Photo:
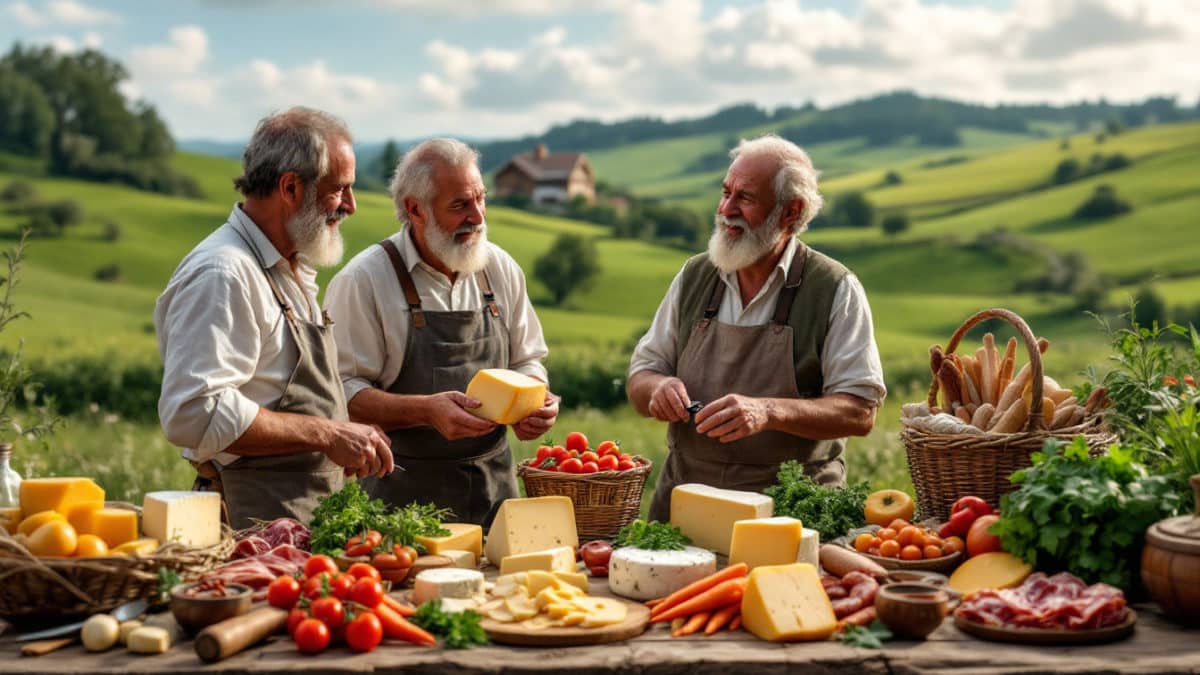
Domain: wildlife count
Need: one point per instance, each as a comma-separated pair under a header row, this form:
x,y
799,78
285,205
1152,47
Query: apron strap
x,y
787,294
275,290
714,300
406,282
489,297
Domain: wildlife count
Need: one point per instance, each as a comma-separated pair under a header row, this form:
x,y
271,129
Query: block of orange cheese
x,y
114,526
786,603
58,494
507,397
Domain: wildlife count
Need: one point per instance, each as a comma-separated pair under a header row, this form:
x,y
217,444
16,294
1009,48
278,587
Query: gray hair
x,y
796,178
414,172
295,140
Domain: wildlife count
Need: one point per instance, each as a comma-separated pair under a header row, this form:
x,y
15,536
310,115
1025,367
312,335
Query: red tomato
x,y
314,587
559,453
284,592
312,636
340,586
625,464
367,592
572,465
608,447
294,618
364,632
609,463
543,452
387,561
405,555
589,467
363,571
979,540
319,563
576,441
330,611
589,456
374,538
356,549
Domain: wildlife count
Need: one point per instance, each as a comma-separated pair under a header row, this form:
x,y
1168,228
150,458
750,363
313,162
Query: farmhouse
x,y
547,179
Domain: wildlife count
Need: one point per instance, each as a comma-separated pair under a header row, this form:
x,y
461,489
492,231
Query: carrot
x,y
722,595
396,626
699,586
736,623
677,623
695,623
399,607
862,617
722,617
654,603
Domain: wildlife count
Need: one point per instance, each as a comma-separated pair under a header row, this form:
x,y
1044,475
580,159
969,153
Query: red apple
x,y
596,554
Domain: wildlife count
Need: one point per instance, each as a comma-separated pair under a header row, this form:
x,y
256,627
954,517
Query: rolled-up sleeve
x,y
209,339
850,363
527,343
358,330
656,350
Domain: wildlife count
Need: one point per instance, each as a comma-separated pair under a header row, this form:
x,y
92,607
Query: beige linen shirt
x,y
224,341
371,315
850,358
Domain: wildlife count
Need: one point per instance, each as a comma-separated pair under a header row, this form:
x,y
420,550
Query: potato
x,y
99,633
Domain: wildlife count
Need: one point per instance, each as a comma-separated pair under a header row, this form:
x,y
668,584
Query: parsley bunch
x,y
350,511
867,637
458,630
653,536
831,511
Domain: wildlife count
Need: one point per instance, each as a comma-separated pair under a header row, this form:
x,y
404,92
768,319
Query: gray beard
x,y
319,242
729,254
459,258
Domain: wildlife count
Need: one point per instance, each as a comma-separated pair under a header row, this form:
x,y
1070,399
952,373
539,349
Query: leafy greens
x,y
350,511
458,630
831,511
653,536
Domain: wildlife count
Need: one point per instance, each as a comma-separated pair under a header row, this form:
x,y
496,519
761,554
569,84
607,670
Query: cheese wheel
x,y
641,574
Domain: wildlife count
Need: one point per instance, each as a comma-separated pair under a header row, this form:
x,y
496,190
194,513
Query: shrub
x,y
892,178
853,209
110,272
1103,203
894,224
1066,171
112,231
110,382
595,381
18,192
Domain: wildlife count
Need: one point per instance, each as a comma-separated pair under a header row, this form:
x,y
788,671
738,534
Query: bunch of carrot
x,y
711,603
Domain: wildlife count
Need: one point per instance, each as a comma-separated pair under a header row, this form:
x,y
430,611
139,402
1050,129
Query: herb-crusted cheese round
x,y
641,574
445,583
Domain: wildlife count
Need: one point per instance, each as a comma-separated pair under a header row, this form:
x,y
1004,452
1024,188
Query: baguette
x,y
970,380
1062,415
962,379
961,413
935,359
1066,403
1077,416
1047,411
1015,389
948,377
1096,400
1004,375
983,415
977,366
990,368
1013,419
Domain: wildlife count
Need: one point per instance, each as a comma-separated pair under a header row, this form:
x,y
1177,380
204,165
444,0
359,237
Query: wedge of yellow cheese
x,y
530,524
507,397
786,603
561,559
462,537
766,541
114,526
989,570
706,514
58,494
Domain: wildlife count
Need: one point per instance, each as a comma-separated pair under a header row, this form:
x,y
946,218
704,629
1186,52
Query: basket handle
x,y
1036,423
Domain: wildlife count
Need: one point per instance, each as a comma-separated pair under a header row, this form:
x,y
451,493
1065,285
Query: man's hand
x,y
361,449
539,421
447,413
669,401
733,417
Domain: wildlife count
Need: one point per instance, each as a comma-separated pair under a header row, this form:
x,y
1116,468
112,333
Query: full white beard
x,y
466,258
314,235
729,254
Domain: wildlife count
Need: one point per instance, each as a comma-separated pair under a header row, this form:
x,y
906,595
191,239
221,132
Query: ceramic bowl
x,y
914,610
194,613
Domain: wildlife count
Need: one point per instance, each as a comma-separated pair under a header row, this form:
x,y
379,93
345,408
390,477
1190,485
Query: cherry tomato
x,y
625,465
543,452
609,463
312,636
559,453
319,563
358,548
364,632
363,571
294,618
576,441
607,448
388,561
572,465
367,592
340,585
314,587
284,592
589,456
374,538
330,611
405,555
589,467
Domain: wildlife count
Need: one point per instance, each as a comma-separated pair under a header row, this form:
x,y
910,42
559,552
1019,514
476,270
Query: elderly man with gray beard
x,y
250,385
417,316
772,337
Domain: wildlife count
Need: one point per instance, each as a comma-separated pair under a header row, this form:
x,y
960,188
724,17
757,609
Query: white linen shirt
x,y
371,315
849,359
224,341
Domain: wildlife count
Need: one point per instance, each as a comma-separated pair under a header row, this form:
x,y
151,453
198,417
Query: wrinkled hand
x,y
669,401
732,417
539,421
361,449
448,414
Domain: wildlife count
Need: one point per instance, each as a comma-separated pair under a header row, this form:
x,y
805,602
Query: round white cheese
x,y
641,574
447,582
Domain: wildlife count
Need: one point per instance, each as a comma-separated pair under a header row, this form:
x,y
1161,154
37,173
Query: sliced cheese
x,y
642,574
706,514
143,546
786,603
810,547
58,494
188,517
446,582
989,570
462,537
462,559
506,396
526,525
577,579
561,559
114,526
766,541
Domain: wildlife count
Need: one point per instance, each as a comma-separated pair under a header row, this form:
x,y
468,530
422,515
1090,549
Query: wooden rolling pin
x,y
224,639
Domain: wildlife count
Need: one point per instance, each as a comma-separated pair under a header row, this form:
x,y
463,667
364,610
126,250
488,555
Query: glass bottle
x,y
10,480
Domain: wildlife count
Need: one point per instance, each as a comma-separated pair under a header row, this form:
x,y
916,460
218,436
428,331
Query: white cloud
x,y
93,40
183,54
495,7
25,15
72,12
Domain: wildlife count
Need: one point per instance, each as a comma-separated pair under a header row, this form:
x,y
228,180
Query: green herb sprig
x,y
831,511
458,630
653,536
867,637
350,511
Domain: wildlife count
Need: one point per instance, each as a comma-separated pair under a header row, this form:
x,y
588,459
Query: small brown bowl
x,y
914,610
917,576
193,614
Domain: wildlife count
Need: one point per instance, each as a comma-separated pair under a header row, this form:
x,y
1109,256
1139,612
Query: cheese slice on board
x,y
462,537
58,494
561,559
530,524
786,603
706,514
507,397
188,517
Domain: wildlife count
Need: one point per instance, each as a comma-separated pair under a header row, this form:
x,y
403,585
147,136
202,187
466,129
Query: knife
x,y
125,612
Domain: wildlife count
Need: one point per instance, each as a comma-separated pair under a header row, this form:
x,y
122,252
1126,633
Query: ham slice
x,y
260,570
1062,601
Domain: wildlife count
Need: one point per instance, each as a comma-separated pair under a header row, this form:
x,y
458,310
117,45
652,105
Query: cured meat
x,y
260,570
250,547
1062,601
266,536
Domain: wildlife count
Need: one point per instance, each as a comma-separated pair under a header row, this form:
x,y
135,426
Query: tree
x,y
18,193
895,223
1103,203
571,263
388,159
853,209
1066,171
26,119
892,178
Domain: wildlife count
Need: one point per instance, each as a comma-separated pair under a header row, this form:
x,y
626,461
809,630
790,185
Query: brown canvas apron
x,y
722,359
277,486
470,476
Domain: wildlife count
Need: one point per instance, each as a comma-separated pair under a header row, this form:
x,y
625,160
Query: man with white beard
x,y
417,316
773,339
250,384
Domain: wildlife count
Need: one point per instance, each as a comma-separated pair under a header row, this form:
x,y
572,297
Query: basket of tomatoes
x,y
604,483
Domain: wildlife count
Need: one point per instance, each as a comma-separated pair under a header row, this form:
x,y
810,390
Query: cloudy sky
x,y
489,68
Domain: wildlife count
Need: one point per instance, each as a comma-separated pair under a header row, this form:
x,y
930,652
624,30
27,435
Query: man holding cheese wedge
x,y
421,314
773,339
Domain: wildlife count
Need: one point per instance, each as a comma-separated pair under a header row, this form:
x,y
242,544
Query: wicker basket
x,y
604,502
33,588
945,467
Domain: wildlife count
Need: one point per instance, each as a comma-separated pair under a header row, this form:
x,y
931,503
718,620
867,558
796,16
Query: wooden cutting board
x,y
636,620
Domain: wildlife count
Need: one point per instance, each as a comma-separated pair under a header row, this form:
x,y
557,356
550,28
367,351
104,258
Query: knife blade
x,y
124,612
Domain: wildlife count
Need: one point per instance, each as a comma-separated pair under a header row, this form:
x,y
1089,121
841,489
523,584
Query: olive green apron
x,y
470,476
276,486
757,361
